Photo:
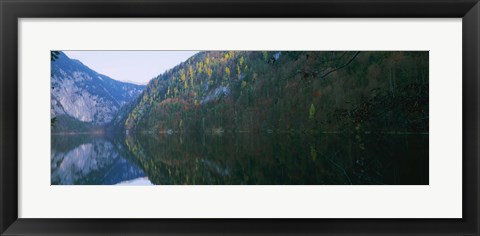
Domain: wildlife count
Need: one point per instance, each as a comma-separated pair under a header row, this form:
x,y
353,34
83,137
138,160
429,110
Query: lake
x,y
240,159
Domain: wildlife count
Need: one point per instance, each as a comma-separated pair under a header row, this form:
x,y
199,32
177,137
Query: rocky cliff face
x,y
80,93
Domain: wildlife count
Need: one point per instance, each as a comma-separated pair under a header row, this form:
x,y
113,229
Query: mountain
x,y
82,98
286,91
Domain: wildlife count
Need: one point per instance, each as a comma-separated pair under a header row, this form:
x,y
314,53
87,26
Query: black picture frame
x,y
12,10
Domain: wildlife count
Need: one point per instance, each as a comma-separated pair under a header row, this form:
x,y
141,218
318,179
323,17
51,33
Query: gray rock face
x,y
81,93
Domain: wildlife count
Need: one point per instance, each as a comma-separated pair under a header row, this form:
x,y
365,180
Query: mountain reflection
x,y
240,159
79,159
271,159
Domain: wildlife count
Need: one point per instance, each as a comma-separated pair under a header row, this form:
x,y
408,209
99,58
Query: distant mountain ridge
x,y
80,96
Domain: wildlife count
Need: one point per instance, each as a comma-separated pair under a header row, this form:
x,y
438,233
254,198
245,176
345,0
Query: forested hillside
x,y
286,91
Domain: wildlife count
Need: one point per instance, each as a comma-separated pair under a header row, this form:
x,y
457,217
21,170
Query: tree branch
x,y
340,67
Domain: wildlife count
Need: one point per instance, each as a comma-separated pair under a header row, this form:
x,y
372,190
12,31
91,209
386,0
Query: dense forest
x,y
286,91
246,117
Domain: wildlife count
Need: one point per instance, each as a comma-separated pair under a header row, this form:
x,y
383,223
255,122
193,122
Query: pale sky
x,y
130,66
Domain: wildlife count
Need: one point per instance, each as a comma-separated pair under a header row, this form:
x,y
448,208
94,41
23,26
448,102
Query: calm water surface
x,y
266,159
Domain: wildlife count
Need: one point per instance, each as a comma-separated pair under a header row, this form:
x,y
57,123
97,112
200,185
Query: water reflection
x,y
282,158
82,159
244,158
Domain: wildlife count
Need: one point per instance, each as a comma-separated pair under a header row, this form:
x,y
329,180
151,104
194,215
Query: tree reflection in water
x,y
281,159
240,159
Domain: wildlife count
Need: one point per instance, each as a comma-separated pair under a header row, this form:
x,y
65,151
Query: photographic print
x,y
239,117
